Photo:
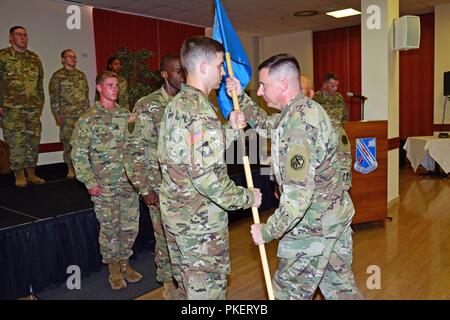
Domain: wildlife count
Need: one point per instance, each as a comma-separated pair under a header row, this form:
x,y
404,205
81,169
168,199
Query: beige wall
x,y
45,21
299,44
441,60
380,78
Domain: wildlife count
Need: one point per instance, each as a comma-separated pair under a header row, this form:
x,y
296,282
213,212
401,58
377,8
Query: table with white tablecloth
x,y
428,150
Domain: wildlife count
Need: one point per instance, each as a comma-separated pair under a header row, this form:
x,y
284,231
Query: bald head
x,y
307,86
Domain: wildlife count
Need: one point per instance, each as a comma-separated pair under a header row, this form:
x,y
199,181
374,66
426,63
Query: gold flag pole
x,y
249,178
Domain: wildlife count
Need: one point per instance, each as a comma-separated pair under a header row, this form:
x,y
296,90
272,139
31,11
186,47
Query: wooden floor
x,y
412,251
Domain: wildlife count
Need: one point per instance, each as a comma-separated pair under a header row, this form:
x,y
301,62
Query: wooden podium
x,y
369,191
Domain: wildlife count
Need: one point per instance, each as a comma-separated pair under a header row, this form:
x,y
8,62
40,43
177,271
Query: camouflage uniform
x,y
315,212
142,167
97,153
22,96
69,97
336,109
122,99
195,193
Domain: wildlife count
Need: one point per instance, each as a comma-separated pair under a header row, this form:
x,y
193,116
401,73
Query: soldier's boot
x,y
32,177
71,172
20,178
115,276
171,292
128,273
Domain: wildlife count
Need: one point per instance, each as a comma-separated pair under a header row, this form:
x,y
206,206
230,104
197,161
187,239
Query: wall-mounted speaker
x,y
407,33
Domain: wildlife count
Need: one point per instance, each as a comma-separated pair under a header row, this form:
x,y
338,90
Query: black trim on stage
x,y
44,229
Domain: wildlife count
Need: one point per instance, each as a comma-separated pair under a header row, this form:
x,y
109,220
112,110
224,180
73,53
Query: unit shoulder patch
x,y
297,163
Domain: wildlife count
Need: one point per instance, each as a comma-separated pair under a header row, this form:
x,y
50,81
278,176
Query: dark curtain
x,y
339,51
113,30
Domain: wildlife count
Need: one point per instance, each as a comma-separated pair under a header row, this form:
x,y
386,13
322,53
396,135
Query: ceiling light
x,y
343,13
306,13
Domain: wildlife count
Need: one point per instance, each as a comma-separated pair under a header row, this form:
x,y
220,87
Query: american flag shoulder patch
x,y
195,136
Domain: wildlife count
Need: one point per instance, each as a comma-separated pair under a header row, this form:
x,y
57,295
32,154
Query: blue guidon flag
x,y
366,155
223,32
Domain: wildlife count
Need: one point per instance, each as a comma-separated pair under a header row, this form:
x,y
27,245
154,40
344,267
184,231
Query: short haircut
x,y
63,53
330,76
102,76
166,60
279,61
13,29
111,60
197,47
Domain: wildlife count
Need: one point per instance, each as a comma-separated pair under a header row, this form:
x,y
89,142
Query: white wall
x,y
380,78
45,21
299,44
441,60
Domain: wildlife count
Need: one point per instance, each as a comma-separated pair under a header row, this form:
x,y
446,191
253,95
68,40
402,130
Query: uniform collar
x,y
69,71
14,52
165,94
102,109
292,103
326,94
188,88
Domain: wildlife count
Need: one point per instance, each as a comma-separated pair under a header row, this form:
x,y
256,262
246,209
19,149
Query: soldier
x,y
21,103
141,160
115,65
196,189
333,103
69,98
315,212
97,154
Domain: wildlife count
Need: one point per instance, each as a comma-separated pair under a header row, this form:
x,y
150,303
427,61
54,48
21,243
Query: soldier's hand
x,y
276,193
233,83
256,233
95,190
151,199
258,197
237,120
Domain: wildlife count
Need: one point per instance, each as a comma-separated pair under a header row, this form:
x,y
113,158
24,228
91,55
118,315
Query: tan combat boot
x,y
71,172
171,292
115,276
20,178
32,177
128,273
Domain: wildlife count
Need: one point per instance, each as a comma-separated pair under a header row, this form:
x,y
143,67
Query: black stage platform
x,y
46,228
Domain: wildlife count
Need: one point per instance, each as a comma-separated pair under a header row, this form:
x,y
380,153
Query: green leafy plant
x,y
141,80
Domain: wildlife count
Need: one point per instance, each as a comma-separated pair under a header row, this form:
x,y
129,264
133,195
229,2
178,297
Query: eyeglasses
x,y
70,56
20,34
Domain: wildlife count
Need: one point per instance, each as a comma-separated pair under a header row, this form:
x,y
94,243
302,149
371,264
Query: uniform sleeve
x,y
344,109
54,91
88,103
297,163
40,86
230,135
138,153
2,70
80,153
256,116
206,174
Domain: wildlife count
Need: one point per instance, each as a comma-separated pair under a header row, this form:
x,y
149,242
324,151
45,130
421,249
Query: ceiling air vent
x,y
306,13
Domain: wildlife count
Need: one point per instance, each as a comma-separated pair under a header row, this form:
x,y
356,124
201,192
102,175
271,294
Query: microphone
x,y
351,94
